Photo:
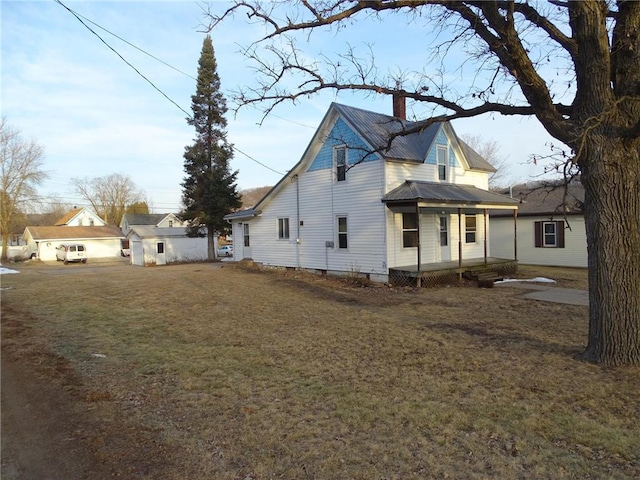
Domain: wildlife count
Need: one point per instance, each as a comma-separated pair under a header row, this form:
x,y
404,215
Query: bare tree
x,y
109,196
490,151
21,171
590,102
251,196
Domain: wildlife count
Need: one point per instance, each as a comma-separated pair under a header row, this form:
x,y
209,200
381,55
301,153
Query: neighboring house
x,y
151,245
160,220
100,241
353,206
80,217
550,226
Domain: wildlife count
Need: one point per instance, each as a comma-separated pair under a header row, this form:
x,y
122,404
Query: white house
x,y
160,220
351,205
550,226
81,217
151,245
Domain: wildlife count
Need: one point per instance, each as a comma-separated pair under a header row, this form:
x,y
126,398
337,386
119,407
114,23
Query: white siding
x,y
397,173
573,255
107,248
176,249
321,200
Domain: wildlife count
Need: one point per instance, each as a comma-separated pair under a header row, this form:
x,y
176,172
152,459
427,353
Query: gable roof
x,y
375,129
547,199
145,218
445,193
67,217
63,232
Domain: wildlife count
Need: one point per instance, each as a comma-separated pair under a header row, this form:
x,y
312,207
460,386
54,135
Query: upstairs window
x,y
470,227
409,230
340,161
170,223
283,228
442,156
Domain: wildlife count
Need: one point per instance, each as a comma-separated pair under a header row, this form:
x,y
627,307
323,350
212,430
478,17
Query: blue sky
x,y
94,115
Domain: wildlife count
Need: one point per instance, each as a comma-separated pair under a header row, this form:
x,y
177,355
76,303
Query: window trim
x,y
445,231
540,235
339,233
245,235
410,233
340,176
284,231
470,230
444,165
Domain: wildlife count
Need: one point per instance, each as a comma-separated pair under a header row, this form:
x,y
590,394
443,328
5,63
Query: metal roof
x,y
247,213
431,192
145,218
157,232
377,128
546,199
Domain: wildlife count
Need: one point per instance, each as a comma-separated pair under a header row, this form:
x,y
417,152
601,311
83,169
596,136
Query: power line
x,y
80,19
121,57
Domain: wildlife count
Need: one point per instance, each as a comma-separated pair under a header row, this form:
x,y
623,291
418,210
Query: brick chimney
x,y
399,106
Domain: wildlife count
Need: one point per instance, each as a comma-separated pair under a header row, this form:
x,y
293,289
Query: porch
x,y
442,272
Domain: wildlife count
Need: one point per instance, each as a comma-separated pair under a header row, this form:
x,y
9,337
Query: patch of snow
x,y
535,280
98,355
5,270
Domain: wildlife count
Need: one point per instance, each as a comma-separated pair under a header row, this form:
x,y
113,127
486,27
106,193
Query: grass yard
x,y
226,373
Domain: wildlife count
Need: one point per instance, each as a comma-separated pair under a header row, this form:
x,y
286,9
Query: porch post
x,y
515,234
459,244
419,277
485,237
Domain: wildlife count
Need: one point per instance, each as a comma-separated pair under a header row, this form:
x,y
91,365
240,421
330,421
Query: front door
x,y
246,250
445,251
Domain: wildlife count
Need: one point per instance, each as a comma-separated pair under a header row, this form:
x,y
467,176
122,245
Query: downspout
x,y
485,237
297,179
515,234
460,244
419,277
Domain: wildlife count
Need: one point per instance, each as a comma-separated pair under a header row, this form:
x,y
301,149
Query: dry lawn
x,y
229,373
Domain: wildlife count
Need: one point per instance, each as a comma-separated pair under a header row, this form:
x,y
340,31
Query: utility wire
x,y
121,57
80,19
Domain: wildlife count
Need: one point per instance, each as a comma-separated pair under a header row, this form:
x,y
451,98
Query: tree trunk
x,y
611,177
5,247
211,248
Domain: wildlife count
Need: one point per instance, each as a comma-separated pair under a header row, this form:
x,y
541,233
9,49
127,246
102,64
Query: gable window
x,y
342,232
340,161
91,222
283,228
409,230
549,234
245,232
470,227
442,156
170,223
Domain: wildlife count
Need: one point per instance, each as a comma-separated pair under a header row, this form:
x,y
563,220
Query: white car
x,y
225,251
71,252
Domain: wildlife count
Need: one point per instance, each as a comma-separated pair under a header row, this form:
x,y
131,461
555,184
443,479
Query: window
x,y
160,247
444,234
549,234
342,232
409,230
283,228
340,160
442,153
245,231
170,223
470,228
91,222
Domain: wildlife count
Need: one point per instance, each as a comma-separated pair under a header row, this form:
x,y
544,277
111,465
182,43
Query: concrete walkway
x,y
545,293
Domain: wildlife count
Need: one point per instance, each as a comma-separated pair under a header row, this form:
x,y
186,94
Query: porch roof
x,y
438,195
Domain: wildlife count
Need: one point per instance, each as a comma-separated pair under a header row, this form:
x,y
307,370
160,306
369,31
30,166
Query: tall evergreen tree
x,y
209,188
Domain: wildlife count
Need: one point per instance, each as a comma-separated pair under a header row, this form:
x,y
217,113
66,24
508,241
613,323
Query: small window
x,y
81,248
283,228
470,228
409,230
245,231
340,160
549,234
170,223
443,153
91,222
342,232
160,247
